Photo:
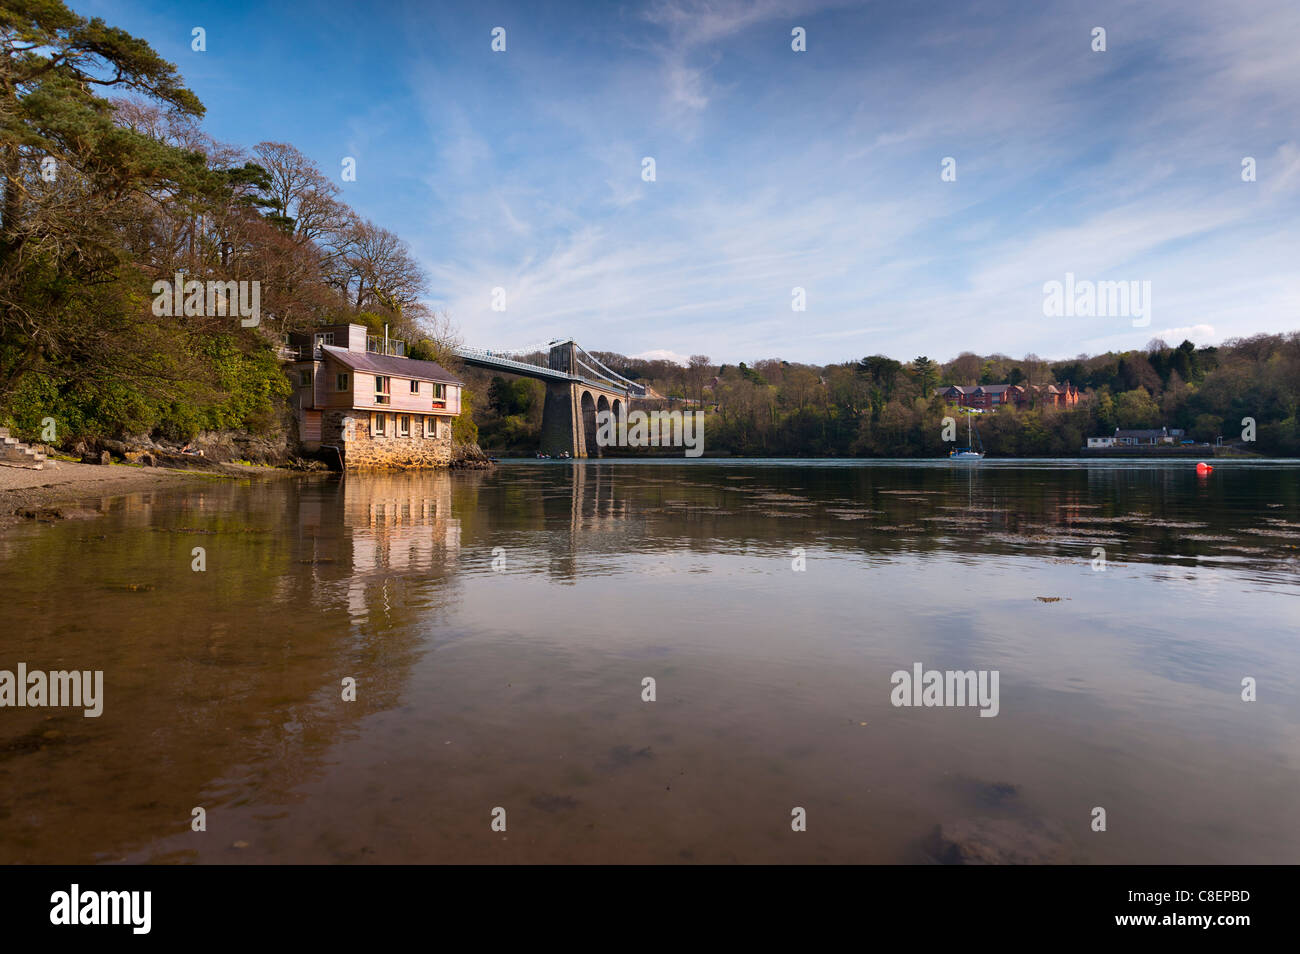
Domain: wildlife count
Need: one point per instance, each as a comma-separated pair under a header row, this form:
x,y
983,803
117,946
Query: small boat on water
x,y
970,451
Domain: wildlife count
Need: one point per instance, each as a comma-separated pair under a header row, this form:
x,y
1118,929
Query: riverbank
x,y
59,492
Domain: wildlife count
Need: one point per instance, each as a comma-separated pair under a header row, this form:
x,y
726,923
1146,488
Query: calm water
x,y
521,687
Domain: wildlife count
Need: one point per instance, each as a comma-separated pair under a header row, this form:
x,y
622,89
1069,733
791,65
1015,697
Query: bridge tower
x,y
576,391
564,358
569,420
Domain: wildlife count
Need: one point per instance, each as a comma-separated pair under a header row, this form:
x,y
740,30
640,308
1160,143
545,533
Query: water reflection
x,y
499,626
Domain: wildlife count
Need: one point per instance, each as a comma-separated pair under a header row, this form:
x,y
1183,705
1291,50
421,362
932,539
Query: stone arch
x,y
602,405
587,416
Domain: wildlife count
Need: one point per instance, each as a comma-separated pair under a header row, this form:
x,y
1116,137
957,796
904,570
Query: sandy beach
x,y
54,492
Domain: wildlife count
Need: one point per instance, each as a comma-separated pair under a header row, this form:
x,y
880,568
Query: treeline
x,y
102,197
882,407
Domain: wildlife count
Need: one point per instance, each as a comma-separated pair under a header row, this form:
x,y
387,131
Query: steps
x,y
14,453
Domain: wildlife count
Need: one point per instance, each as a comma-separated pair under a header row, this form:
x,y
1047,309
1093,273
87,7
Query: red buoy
x,y
1202,469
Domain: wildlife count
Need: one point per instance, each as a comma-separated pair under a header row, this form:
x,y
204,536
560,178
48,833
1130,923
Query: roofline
x,y
335,352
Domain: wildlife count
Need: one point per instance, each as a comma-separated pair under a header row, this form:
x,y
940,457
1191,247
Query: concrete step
x,y
17,454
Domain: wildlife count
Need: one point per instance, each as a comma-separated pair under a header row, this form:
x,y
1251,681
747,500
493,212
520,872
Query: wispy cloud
x,y
821,170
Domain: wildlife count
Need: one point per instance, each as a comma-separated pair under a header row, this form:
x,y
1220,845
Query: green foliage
x,y
463,429
1136,409
516,396
227,387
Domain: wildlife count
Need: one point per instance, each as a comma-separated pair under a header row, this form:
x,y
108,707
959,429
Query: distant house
x,y
1138,438
990,396
1101,442
359,394
983,396
1060,395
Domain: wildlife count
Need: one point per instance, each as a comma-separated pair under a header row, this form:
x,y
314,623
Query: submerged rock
x,y
999,841
1000,829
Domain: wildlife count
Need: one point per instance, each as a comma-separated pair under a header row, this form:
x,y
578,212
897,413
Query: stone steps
x,y
14,453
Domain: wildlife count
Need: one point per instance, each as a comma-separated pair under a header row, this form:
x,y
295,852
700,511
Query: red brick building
x,y
988,397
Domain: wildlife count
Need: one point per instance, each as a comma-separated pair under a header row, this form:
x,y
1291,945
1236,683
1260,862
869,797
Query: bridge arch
x,y
602,405
587,417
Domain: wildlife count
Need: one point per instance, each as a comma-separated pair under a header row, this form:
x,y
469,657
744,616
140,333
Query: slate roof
x,y
367,362
1124,432
979,388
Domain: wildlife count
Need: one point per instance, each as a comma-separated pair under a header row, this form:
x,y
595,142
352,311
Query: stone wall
x,y
362,451
559,433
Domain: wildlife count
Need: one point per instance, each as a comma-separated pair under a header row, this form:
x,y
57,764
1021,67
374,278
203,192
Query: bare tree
x,y
698,370
378,269
305,199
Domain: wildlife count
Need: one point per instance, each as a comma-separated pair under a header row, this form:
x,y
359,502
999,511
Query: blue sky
x,y
776,169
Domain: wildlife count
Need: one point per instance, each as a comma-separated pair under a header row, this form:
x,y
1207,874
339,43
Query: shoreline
x,y
60,492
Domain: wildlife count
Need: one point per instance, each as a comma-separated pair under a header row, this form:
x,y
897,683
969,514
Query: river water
x,y
499,627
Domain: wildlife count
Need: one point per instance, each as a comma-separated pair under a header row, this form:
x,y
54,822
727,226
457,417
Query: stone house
x,y
358,395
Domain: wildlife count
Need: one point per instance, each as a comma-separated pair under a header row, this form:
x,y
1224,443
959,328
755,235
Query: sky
x,y
777,170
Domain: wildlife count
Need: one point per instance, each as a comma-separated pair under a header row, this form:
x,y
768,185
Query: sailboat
x,y
968,452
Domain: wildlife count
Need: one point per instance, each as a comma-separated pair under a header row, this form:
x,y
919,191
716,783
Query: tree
x,y
697,374
1208,428
1136,409
375,267
925,373
65,296
304,201
800,383
882,372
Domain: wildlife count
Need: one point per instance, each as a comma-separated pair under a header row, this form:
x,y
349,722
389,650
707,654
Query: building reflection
x,y
397,525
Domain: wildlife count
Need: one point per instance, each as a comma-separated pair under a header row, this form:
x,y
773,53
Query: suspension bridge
x,y
578,386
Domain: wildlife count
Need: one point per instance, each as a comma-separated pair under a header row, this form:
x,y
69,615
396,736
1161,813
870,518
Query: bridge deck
x,y
483,359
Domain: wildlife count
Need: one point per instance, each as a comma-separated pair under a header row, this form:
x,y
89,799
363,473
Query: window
x,y
430,426
415,387
304,379
440,390
324,337
342,382
377,424
403,425
381,389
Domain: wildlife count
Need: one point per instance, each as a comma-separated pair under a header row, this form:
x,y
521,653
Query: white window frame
x,y
415,386
384,396
324,338
378,426
430,426
403,419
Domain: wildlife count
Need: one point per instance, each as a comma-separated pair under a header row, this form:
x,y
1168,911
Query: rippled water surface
x,y
499,627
